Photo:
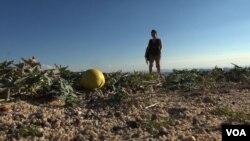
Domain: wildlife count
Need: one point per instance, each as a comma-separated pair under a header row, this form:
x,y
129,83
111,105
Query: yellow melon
x,y
92,78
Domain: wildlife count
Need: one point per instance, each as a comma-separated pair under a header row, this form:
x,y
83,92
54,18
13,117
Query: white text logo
x,y
236,132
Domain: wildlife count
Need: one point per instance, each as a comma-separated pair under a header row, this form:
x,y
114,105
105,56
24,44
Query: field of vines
x,y
37,104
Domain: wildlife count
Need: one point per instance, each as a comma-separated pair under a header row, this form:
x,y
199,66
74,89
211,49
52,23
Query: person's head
x,y
154,34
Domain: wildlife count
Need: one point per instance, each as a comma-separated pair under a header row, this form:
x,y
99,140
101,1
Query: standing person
x,y
153,52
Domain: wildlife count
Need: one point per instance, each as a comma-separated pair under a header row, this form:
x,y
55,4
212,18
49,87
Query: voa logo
x,y
236,132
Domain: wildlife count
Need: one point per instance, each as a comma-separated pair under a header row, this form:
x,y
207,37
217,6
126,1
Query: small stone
x,y
5,107
79,112
190,138
40,132
178,122
181,136
163,131
57,124
93,134
164,138
46,124
136,135
79,137
208,100
96,123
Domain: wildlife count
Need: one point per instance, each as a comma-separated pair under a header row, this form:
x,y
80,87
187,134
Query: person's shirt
x,y
154,46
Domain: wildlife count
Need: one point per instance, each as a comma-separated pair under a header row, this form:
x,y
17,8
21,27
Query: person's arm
x,y
160,45
147,49
146,52
146,55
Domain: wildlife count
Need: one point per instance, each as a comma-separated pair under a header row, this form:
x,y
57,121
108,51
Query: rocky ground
x,y
157,115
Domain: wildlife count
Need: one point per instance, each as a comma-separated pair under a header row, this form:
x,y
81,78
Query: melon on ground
x,y
92,78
